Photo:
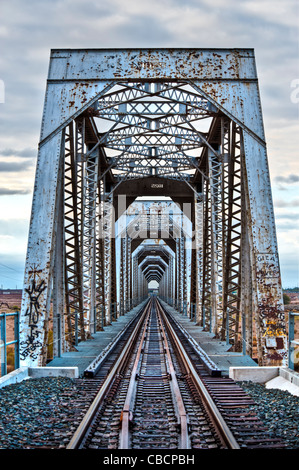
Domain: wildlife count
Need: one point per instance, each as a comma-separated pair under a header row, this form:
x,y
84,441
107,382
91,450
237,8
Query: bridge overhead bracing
x,y
182,124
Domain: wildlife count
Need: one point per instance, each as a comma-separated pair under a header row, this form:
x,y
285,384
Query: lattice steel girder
x,y
148,256
152,270
153,250
153,267
153,278
227,79
153,262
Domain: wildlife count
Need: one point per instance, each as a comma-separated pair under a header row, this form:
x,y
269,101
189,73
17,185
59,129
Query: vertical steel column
x,y
135,280
144,287
171,280
225,152
183,269
89,240
180,272
193,286
232,290
267,290
128,272
167,283
108,233
207,255
113,280
73,270
123,276
59,270
177,273
246,275
216,184
100,277
187,263
198,249
80,181
39,261
141,283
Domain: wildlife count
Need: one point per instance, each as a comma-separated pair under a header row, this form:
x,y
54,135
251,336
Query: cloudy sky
x,y
29,29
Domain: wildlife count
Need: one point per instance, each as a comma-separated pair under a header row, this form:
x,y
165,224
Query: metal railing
x,y
293,344
13,344
189,310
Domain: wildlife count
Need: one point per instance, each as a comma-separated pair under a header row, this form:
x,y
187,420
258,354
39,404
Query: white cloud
x,y
15,207
288,179
281,13
283,203
30,29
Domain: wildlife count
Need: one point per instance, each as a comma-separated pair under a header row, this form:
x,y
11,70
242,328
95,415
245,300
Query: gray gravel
x,y
36,412
278,409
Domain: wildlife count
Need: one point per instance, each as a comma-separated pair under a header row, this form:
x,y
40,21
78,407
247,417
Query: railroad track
x,y
157,390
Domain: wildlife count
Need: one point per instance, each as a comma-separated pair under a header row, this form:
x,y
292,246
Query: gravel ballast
x,y
39,412
35,411
278,409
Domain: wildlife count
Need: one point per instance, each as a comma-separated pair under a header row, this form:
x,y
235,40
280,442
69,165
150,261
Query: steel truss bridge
x,y
152,166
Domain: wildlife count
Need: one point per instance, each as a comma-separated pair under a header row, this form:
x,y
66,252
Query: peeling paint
x,y
78,79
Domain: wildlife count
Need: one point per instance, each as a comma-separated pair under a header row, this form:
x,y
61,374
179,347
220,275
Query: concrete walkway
x,y
88,350
216,350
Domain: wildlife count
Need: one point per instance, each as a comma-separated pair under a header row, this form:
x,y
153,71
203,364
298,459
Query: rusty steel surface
x,y
123,123
152,63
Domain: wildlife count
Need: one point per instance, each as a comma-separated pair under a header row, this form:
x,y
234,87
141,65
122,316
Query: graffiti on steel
x,y
32,343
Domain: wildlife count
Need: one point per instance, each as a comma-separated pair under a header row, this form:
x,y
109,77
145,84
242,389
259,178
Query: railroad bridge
x,y
152,173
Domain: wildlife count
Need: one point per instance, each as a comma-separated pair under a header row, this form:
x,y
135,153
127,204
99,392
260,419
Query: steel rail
x,y
216,416
126,413
178,400
95,365
208,364
90,414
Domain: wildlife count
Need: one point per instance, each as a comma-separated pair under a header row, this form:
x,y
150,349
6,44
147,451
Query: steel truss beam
x,y
154,104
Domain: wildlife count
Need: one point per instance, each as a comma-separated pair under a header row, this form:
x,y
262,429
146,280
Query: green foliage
x,y
286,299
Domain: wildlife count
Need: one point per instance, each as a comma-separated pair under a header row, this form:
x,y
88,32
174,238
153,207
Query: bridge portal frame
x,y
77,78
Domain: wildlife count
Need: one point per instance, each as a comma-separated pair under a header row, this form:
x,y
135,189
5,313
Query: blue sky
x,y
28,30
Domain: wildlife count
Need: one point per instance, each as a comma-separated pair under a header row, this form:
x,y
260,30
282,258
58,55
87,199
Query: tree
x,y
286,299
